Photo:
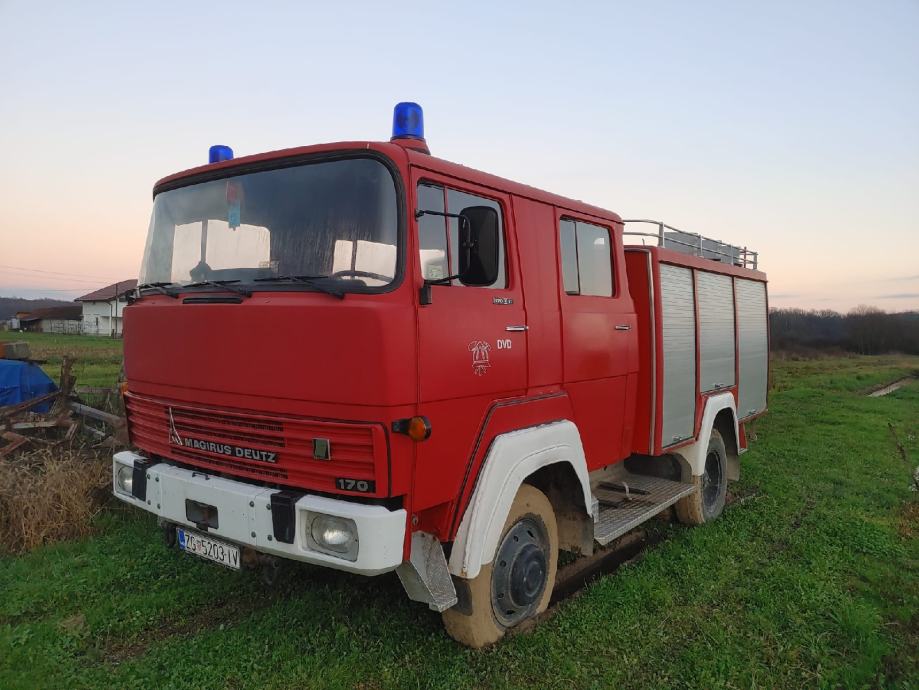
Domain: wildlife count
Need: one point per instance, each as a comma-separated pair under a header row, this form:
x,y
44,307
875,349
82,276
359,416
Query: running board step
x,y
632,499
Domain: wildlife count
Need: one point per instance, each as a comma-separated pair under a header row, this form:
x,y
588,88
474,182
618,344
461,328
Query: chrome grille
x,y
359,450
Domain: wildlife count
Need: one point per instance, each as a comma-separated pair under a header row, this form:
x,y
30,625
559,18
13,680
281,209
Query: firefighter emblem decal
x,y
480,361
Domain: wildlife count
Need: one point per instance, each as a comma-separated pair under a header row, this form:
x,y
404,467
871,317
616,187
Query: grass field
x,y
808,580
97,360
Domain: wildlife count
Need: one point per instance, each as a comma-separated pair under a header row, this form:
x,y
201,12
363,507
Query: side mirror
x,y
478,245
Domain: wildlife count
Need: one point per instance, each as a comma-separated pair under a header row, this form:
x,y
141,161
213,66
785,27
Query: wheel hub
x,y
527,575
520,571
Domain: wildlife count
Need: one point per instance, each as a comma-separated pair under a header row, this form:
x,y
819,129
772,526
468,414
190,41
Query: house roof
x,y
68,313
108,293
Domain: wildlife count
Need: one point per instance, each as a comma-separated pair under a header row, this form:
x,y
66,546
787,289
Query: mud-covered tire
x,y
706,503
474,622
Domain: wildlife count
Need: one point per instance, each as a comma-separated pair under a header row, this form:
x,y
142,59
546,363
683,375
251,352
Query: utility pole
x,y
112,327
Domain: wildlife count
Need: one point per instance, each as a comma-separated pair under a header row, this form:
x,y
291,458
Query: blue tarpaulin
x,y
21,381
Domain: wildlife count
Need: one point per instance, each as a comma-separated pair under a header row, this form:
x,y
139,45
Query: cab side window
x,y
438,236
586,257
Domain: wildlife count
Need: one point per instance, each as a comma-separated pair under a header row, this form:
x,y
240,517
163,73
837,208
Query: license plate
x,y
211,549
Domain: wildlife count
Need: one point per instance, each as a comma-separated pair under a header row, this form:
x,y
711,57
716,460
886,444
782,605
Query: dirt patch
x,y
74,625
908,524
898,664
50,494
782,543
572,578
216,614
806,510
890,387
737,495
574,575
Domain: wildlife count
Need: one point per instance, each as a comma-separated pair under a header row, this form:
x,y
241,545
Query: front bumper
x,y
245,516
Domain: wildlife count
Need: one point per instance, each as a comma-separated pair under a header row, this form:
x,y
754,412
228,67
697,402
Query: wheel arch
x,y
726,424
549,457
720,413
562,486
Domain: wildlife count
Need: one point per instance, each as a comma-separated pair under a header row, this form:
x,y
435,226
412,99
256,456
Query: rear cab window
x,y
586,258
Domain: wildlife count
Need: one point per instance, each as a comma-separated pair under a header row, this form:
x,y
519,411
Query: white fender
x,y
512,458
695,453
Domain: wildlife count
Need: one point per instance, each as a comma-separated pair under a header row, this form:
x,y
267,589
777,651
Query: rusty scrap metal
x,y
20,425
112,420
13,442
8,411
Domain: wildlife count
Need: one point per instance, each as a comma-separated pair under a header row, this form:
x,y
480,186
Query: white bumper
x,y
245,516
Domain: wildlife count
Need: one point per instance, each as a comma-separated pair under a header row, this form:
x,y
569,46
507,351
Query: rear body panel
x,y
702,330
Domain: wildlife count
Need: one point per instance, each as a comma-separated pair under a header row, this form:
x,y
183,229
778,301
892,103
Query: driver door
x,y
472,340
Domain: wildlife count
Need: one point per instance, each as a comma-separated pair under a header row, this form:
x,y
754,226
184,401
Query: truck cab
x,y
361,356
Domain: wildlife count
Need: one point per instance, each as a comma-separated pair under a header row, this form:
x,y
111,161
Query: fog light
x,y
335,535
124,479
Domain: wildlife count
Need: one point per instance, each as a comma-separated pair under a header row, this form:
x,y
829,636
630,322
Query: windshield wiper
x,y
159,287
312,281
225,284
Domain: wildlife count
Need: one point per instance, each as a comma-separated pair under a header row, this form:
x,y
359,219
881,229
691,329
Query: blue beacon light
x,y
407,121
219,152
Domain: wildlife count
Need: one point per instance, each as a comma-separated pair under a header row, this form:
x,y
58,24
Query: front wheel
x,y
706,503
518,583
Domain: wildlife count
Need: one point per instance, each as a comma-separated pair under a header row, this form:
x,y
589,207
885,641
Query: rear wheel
x,y
518,583
707,502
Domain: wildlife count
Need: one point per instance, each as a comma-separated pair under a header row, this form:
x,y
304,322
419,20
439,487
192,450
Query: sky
x,y
788,127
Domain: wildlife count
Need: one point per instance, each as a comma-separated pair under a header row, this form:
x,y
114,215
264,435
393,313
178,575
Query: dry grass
x,y
50,494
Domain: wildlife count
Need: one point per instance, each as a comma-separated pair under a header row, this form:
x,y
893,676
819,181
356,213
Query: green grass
x,y
97,360
808,580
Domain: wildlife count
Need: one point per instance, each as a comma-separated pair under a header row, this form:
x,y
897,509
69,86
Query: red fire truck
x,y
361,356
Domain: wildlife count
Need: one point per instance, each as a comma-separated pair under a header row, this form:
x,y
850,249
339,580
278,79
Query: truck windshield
x,y
333,219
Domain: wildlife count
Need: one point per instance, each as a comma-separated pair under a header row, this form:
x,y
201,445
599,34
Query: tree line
x,y
10,305
865,330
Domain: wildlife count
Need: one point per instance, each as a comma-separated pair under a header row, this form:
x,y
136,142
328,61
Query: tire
x,y
706,503
518,583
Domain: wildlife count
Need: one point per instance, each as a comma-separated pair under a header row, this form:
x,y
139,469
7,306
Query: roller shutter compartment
x,y
678,330
715,293
752,346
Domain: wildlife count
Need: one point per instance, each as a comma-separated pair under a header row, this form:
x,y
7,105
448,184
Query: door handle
x,y
516,329
623,327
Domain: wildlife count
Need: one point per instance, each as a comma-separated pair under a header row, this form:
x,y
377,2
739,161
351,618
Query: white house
x,y
102,309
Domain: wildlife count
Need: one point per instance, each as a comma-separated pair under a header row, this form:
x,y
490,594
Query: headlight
x,y
124,479
333,535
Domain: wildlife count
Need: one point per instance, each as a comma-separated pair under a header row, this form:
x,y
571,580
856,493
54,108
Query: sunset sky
x,y
789,127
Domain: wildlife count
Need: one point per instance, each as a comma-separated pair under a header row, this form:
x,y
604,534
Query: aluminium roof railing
x,y
695,244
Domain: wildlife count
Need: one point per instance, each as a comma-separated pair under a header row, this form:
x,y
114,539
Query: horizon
x,y
788,129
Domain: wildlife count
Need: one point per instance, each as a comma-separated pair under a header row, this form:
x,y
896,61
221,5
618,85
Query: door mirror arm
x,y
446,280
